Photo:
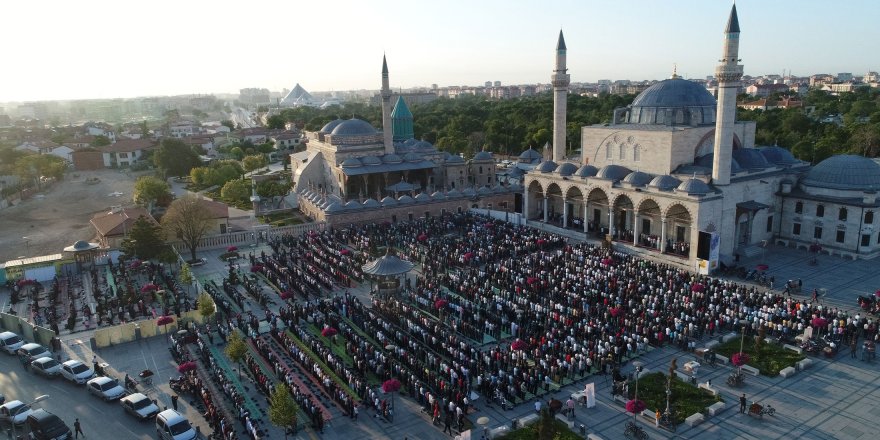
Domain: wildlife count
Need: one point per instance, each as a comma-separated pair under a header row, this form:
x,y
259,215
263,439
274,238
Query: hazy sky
x,y
101,49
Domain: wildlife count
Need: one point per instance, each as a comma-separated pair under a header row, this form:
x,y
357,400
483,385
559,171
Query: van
x,y
44,425
170,425
10,342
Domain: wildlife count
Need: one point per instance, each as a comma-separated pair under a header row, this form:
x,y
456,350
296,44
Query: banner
x,y
590,394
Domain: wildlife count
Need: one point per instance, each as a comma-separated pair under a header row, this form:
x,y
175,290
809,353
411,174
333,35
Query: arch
x,y
706,144
605,145
534,200
649,206
677,209
679,226
535,186
647,223
574,192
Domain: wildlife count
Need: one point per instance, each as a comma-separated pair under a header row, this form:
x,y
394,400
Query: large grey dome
x,y
586,171
694,187
637,178
613,172
530,156
546,166
664,183
484,156
707,161
750,159
353,127
673,101
566,169
778,155
328,127
845,172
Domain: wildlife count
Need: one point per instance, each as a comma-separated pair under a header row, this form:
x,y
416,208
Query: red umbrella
x,y
440,304
615,311
328,332
422,237
877,293
286,295
231,249
186,366
519,345
149,288
607,261
344,252
819,322
762,267
468,255
165,320
489,225
635,406
257,268
540,241
390,385
698,288
135,264
531,280
739,359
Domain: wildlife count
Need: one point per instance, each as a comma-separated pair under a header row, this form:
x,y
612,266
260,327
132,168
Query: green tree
x,y
282,409
145,130
275,122
100,141
236,349
175,158
273,188
186,276
149,190
251,163
236,191
188,220
228,123
206,306
236,152
145,240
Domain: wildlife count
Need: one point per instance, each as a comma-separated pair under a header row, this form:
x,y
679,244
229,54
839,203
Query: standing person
x,y
174,398
447,423
657,419
78,429
742,404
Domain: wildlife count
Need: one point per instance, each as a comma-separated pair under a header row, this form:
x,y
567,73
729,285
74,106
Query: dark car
x,y
44,425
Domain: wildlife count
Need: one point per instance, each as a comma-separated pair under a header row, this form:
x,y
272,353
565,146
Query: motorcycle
x,y
177,384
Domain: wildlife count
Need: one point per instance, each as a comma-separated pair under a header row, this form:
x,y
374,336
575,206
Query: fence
x,y
509,217
247,237
132,331
28,331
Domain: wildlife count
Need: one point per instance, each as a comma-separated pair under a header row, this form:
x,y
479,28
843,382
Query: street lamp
x,y
27,405
638,366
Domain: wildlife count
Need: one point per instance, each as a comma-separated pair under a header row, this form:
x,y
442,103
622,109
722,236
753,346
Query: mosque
x,y
676,173
352,173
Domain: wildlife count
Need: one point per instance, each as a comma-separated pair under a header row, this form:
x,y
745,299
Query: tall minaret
x,y
728,73
386,110
560,80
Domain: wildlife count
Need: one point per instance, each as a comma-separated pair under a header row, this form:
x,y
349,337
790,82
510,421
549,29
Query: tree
x,y
206,306
254,162
186,276
188,220
282,409
236,152
100,141
149,190
145,130
236,349
228,123
175,158
145,240
236,191
275,122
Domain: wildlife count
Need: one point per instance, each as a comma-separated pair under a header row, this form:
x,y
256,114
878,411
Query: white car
x,y
76,371
105,388
15,409
33,351
10,342
46,366
139,406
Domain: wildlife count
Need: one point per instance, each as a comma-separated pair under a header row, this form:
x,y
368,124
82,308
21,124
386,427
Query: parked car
x,y
139,406
33,351
47,426
76,371
170,425
105,388
46,366
10,342
14,409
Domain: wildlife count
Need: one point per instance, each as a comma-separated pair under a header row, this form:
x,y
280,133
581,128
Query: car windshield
x,y
13,340
180,427
141,404
37,351
81,368
109,385
49,364
18,408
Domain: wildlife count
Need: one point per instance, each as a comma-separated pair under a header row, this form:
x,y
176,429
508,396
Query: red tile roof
x,y
128,146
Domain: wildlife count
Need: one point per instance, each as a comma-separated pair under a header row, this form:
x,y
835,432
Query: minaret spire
x,y
560,79
387,134
728,73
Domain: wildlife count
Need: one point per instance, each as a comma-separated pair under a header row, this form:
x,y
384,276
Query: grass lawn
x,y
544,429
686,398
280,219
769,359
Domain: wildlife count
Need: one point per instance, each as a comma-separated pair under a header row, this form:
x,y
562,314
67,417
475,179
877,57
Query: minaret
x,y
560,80
728,73
386,109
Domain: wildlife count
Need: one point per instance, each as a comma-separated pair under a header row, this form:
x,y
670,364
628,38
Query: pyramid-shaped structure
x,y
298,96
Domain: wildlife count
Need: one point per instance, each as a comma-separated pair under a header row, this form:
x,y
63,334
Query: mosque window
x,y
866,239
608,151
637,153
820,210
799,208
796,229
481,170
841,215
817,233
622,153
869,217
841,236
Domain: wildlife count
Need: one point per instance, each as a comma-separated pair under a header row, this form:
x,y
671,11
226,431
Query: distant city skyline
x,y
95,49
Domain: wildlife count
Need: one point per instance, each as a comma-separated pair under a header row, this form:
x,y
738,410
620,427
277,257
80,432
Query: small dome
x,y
81,245
706,161
664,183
410,142
389,201
484,190
846,172
351,162
694,187
469,192
778,155
453,193
454,158
586,171
314,197
637,178
391,158
353,127
500,189
613,172
750,159
404,199
566,169
530,156
423,146
334,207
423,197
438,195
328,127
371,160
413,157
353,204
371,203
547,166
484,156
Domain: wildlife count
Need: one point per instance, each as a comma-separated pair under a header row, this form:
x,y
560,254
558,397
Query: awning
x,y
752,205
388,265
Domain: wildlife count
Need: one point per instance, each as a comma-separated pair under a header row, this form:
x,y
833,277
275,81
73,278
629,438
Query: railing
x,y
248,237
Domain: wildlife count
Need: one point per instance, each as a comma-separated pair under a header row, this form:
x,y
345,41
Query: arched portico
x,y
647,224
597,210
623,218
676,234
575,208
534,202
555,204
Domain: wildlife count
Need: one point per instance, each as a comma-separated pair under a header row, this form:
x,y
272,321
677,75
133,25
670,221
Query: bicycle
x,y
635,431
